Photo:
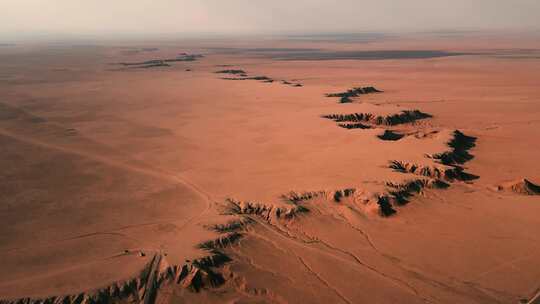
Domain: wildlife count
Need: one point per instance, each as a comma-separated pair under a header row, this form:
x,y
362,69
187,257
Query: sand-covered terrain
x,y
397,169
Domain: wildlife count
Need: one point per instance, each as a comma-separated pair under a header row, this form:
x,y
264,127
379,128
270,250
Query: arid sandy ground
x,y
167,183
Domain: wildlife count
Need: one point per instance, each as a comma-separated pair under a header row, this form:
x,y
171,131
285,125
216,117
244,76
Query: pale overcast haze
x,y
141,17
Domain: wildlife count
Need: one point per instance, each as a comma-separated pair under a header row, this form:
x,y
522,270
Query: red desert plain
x,y
307,169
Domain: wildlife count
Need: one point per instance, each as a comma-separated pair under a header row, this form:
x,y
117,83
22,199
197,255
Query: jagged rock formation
x,y
393,135
522,186
339,194
336,195
385,206
138,289
269,213
345,97
406,116
233,72
152,65
448,173
187,57
201,273
197,274
292,84
243,75
417,185
356,125
162,62
398,194
390,135
297,197
460,145
381,200
193,275
221,242
259,78
387,200
232,226
144,63
439,174
403,191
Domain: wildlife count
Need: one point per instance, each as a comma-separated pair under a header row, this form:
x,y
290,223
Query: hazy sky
x,y
253,16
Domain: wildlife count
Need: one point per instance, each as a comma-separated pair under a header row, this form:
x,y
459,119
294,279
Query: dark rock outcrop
x,y
406,116
460,145
161,62
346,97
232,72
522,186
390,135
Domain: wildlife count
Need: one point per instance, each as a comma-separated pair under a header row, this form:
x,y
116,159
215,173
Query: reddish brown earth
x,y
166,182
